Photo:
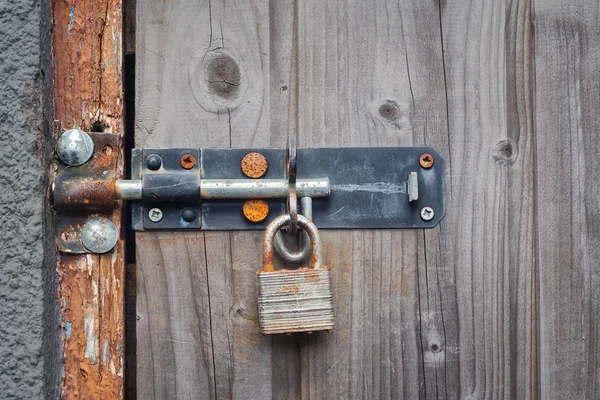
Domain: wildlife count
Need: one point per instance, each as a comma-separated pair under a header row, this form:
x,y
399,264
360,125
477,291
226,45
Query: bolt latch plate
x,y
206,189
373,188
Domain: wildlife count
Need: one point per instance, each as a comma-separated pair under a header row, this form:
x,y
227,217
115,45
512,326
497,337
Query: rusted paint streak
x,y
88,91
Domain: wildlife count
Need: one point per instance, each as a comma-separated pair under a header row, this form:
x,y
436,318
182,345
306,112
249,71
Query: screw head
x,y
426,161
188,214
427,213
153,162
187,161
99,235
255,210
75,147
155,214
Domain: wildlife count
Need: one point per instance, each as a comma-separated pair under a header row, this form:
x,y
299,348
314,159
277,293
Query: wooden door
x,y
498,301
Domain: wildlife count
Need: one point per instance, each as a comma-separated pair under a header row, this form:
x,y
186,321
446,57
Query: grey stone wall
x,y
29,344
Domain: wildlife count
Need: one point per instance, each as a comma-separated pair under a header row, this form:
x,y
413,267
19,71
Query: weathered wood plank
x,y
354,88
487,237
567,99
88,93
445,316
203,81
448,312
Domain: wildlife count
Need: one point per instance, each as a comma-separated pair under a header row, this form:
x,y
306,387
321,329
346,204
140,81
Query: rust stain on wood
x,y
88,92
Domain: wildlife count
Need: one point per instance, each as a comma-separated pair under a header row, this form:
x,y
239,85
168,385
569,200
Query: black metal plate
x,y
368,188
171,163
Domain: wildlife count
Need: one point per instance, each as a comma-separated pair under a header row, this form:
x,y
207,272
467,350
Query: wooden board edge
x,y
87,54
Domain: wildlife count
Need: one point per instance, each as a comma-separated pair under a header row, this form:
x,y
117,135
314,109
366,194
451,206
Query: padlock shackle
x,y
276,225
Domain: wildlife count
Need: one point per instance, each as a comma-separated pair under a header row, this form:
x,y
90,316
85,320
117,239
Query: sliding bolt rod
x,y
243,189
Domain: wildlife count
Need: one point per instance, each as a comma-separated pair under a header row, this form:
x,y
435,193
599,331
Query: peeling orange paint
x,y
88,91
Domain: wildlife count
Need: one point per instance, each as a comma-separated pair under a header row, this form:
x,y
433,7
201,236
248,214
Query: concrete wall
x,y
28,312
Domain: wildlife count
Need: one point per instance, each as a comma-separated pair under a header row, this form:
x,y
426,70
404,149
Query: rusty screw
x,y
188,161
255,210
426,161
254,165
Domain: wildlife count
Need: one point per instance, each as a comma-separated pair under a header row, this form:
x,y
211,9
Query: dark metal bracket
x,y
368,188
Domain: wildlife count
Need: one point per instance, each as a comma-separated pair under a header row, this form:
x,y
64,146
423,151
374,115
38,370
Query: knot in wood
x,y
223,76
505,151
390,110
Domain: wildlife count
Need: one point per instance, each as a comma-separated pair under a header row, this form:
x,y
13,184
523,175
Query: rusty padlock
x,y
297,300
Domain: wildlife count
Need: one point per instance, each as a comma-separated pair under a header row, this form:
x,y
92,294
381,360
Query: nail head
x,y
256,210
254,165
153,162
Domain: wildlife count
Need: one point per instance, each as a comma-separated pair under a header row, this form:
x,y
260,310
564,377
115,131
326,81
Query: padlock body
x,y
298,300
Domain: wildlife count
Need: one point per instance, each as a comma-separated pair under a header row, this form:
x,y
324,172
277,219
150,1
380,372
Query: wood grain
x,y
567,98
201,337
88,94
495,302
355,88
488,234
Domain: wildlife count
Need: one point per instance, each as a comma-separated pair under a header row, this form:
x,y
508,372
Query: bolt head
x,y
427,213
155,214
255,210
153,162
254,165
75,147
188,214
99,235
